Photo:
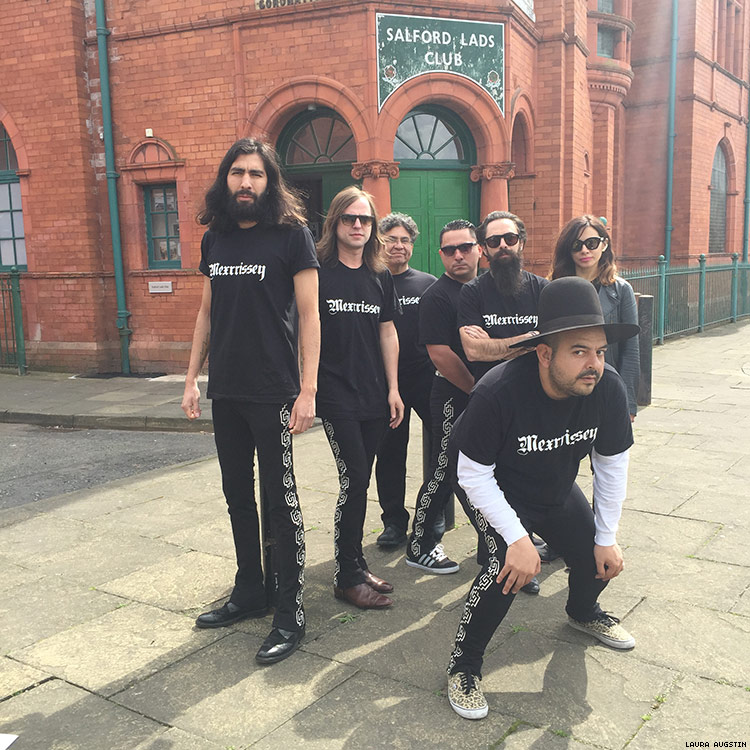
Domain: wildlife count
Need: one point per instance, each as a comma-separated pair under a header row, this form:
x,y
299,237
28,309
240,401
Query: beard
x,y
572,386
244,211
506,272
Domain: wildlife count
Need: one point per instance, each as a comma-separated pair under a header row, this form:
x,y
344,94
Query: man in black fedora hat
x,y
516,451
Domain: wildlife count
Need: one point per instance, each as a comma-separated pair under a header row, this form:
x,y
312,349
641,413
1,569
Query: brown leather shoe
x,y
374,582
362,596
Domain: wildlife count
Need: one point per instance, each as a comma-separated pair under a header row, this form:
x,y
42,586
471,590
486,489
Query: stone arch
x,y
463,97
523,124
275,109
152,151
19,146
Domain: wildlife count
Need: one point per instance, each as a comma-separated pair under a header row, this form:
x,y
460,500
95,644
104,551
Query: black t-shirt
x,y
501,316
410,285
351,378
438,315
252,355
537,442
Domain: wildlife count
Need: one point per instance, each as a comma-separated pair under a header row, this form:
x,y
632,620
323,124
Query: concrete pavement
x,y
100,589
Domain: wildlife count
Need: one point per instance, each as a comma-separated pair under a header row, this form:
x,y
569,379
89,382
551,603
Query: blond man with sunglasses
x,y
358,397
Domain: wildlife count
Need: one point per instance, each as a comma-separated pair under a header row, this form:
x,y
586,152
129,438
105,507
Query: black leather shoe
x,y
532,587
227,615
546,553
439,528
391,538
279,644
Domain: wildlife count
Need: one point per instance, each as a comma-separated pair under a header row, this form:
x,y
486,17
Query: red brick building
x,y
440,109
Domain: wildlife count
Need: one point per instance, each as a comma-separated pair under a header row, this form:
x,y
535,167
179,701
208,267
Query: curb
x,y
89,422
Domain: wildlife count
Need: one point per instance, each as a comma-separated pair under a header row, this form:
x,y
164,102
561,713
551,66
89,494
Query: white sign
x,y
527,6
160,287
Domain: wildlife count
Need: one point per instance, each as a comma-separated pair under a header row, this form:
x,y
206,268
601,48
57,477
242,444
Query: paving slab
x,y
594,694
221,694
693,640
189,580
410,645
697,711
213,537
115,650
29,613
15,677
381,713
176,739
725,501
108,557
16,575
41,537
729,545
59,716
703,583
156,518
680,536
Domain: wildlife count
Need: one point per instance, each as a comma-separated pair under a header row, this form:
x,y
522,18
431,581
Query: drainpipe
x,y
102,32
672,135
746,224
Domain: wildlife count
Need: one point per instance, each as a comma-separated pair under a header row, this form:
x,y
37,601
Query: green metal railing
x,y
687,299
12,345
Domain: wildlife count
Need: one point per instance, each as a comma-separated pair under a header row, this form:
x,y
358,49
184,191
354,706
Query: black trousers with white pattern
x,y
353,444
569,529
446,405
240,428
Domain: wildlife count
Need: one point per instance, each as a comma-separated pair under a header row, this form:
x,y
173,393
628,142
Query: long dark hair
x,y
372,254
562,260
283,205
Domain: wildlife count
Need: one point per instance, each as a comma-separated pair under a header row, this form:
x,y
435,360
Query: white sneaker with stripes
x,y
434,561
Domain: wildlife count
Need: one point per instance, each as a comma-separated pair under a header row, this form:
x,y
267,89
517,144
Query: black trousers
x,y
446,405
353,444
569,529
390,469
239,429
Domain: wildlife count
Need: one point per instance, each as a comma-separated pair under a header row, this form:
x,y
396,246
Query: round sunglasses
x,y
493,241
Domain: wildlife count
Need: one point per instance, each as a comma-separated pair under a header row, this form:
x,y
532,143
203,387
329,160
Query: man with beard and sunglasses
x,y
499,309
259,258
516,451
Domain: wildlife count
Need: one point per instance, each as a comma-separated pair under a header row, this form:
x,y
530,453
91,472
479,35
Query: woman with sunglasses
x,y
584,249
358,395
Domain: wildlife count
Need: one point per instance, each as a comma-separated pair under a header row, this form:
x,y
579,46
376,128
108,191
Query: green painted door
x,y
432,197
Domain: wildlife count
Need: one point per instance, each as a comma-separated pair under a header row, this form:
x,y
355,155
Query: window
x,y
422,135
605,42
12,242
606,6
717,231
162,226
323,139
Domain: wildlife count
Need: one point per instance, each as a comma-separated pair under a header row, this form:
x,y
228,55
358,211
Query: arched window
x,y
323,138
317,148
518,150
717,232
425,135
12,242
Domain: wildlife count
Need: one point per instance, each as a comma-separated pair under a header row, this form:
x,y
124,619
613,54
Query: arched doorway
x,y
317,149
436,151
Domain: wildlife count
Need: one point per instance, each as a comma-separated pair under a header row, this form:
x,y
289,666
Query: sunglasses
x,y
590,244
348,219
463,248
511,238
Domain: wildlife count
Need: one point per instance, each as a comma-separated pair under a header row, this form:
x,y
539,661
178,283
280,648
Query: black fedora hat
x,y
570,303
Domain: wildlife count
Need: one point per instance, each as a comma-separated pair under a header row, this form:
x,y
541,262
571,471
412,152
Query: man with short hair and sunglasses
x,y
415,373
453,381
499,309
